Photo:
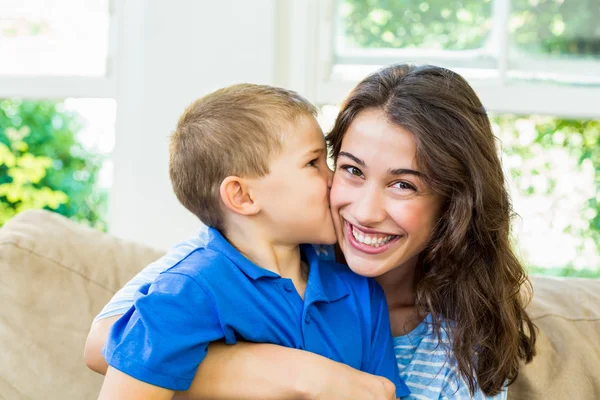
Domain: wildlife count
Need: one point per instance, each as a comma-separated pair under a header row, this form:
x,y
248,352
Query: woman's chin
x,y
364,270
363,266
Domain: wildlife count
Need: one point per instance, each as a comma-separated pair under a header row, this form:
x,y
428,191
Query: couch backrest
x,y
56,275
567,365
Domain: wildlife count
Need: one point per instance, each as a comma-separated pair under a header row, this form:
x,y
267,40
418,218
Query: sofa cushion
x,y
567,365
56,276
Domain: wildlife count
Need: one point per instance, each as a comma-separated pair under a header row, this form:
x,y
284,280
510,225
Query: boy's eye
x,y
352,170
312,163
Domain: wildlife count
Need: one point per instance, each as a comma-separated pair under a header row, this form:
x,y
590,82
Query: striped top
x,y
422,363
424,367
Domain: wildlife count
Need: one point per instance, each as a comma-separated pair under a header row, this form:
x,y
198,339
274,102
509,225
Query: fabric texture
x,y
424,366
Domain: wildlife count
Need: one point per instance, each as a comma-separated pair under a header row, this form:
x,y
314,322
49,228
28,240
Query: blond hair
x,y
234,131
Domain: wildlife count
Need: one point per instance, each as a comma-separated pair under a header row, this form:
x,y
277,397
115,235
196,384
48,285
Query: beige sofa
x,y
55,275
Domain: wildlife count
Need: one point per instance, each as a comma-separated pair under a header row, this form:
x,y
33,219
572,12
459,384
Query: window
x,y
57,107
523,56
57,48
54,37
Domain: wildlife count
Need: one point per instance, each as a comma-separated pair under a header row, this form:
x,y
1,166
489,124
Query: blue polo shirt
x,y
215,293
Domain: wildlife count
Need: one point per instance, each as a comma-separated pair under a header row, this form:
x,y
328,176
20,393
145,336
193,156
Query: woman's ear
x,y
237,196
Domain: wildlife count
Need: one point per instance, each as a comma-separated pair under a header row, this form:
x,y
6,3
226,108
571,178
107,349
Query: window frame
x,y
331,81
65,86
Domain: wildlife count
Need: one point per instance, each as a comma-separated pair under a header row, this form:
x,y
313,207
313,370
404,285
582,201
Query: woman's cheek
x,y
339,193
409,214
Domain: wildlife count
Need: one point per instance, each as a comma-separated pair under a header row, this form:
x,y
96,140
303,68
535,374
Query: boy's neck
x,y
267,253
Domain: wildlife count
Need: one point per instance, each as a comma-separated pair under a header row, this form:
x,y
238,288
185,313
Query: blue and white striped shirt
x,y
426,370
422,362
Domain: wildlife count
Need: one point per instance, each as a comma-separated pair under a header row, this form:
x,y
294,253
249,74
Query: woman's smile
x,y
369,240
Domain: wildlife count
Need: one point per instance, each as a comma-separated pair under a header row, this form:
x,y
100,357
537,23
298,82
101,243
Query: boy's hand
x,y
346,383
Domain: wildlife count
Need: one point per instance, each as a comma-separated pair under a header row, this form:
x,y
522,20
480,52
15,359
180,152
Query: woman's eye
x,y
353,170
404,186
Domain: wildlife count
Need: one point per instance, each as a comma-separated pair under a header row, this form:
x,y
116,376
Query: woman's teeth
x,y
371,240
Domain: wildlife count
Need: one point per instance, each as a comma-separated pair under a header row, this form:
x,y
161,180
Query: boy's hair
x,y
234,131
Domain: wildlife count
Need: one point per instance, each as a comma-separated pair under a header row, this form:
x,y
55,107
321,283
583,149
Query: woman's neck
x,y
399,285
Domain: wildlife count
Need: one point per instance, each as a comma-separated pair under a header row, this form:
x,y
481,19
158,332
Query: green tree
x,y
538,26
44,166
534,141
432,24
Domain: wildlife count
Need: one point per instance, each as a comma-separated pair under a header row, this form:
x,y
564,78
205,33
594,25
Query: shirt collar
x,y
323,283
217,242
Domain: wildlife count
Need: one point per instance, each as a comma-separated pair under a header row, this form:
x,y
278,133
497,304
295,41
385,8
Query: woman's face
x,y
382,210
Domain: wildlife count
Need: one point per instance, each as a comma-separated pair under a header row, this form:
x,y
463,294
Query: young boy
x,y
250,162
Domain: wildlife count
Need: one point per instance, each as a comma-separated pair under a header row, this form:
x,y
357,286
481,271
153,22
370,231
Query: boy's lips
x,y
377,242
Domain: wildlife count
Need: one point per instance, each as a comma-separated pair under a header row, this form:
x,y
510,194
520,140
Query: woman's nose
x,y
369,207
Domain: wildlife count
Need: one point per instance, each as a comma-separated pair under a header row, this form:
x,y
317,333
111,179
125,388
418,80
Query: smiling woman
x,y
430,185
380,200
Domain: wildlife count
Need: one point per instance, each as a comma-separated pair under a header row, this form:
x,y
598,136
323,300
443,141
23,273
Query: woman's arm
x,y
94,343
266,371
120,386
261,372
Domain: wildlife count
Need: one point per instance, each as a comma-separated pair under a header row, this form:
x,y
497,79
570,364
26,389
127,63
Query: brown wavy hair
x,y
471,277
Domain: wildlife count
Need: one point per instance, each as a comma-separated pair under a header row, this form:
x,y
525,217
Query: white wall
x,y
170,53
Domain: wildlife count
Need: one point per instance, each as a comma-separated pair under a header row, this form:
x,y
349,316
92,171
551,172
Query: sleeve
x,y
123,299
382,359
163,338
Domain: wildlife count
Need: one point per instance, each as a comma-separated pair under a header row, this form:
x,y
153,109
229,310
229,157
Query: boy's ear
x,y
237,196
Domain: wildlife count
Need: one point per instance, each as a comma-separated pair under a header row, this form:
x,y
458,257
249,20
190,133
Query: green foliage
x,y
540,145
43,166
541,26
408,24
556,27
565,272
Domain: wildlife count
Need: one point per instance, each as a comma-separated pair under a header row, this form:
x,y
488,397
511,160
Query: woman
x,y
420,203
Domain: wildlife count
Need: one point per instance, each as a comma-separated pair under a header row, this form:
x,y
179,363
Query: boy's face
x,y
294,196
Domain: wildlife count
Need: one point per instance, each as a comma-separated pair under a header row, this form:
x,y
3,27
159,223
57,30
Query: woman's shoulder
x,y
427,366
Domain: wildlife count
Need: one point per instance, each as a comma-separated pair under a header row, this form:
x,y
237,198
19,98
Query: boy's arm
x,y
267,372
163,338
118,385
382,359
123,300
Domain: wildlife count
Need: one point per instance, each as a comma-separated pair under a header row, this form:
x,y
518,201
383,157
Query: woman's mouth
x,y
369,242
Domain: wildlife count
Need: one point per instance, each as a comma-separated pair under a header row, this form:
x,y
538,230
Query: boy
x,y
250,162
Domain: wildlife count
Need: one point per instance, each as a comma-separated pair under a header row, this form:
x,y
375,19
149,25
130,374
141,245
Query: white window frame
x,y
325,82
65,86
